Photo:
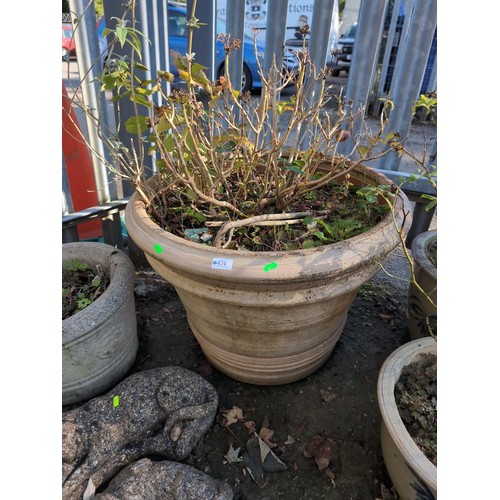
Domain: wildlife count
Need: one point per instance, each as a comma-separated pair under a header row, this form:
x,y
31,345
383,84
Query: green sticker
x,y
116,401
158,248
271,265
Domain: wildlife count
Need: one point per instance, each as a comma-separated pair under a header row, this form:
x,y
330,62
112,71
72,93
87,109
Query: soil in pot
x,y
416,399
81,286
339,211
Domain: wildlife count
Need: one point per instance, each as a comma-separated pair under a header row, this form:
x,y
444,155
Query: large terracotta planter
x,y
99,343
267,317
414,476
421,313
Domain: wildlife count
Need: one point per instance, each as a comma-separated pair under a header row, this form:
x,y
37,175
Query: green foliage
x,y
427,102
81,286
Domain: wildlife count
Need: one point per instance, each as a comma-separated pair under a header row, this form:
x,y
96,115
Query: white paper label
x,y
222,263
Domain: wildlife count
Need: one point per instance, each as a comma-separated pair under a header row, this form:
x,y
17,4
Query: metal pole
x,y
319,38
390,44
116,9
89,64
364,60
235,25
409,74
275,35
204,37
320,32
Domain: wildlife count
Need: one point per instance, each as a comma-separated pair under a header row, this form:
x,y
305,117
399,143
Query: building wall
x,y
349,15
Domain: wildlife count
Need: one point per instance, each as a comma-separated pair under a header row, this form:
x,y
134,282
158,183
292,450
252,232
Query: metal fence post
x,y
235,25
204,37
89,63
319,38
275,35
409,74
364,57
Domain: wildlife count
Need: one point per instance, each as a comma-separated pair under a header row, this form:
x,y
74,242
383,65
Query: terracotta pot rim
x,y
388,376
378,240
121,274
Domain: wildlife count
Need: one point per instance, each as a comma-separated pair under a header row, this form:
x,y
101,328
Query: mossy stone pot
x,y
99,343
421,313
414,476
268,318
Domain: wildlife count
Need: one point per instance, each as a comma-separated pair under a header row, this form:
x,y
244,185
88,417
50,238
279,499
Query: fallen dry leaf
x,y
323,449
266,434
232,456
250,425
233,415
328,396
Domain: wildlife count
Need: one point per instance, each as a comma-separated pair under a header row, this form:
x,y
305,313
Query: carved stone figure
x,y
159,412
164,480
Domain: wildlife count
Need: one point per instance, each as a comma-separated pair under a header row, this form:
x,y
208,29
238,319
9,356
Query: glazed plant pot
x,y
268,318
422,315
414,476
99,343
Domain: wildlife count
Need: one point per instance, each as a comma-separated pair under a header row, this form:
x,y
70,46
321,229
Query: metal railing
x,y
369,49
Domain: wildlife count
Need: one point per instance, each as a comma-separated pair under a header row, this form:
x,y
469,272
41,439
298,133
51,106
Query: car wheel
x,y
65,54
335,72
246,77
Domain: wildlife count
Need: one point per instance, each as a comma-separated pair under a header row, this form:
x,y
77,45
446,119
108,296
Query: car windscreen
x,y
351,32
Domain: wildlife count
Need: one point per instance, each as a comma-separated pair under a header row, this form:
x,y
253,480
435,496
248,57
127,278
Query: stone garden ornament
x,y
150,480
161,412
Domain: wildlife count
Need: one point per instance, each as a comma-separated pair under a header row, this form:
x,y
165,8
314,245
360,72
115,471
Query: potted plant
x,y
422,291
406,394
422,299
99,328
264,229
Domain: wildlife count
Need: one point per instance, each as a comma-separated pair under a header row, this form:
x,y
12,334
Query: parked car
x,y
341,60
177,39
68,42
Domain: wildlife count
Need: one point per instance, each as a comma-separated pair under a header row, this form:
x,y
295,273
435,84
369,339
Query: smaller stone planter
x,y
419,309
414,476
99,343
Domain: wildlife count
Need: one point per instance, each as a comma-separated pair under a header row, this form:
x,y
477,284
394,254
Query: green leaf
x,y
432,203
168,143
96,281
196,68
74,265
295,169
136,124
308,244
320,235
326,226
165,75
139,99
121,34
363,150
